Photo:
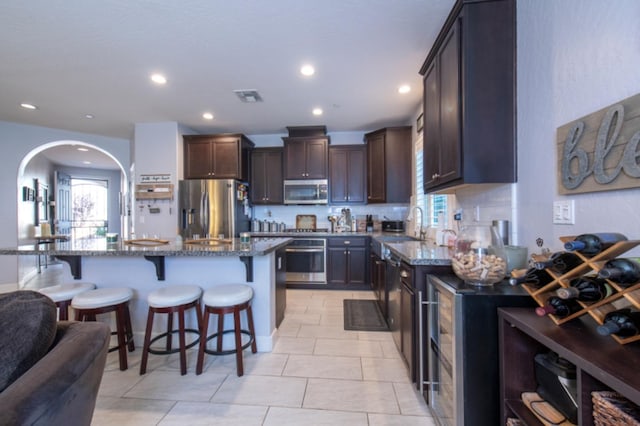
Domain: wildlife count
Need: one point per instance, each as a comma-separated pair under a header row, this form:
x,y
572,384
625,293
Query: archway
x,y
38,201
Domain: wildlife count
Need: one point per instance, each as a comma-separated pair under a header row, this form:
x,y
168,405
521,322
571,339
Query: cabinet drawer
x,y
351,242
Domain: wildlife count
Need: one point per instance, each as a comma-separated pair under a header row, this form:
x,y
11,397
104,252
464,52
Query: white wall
x,y
574,57
16,142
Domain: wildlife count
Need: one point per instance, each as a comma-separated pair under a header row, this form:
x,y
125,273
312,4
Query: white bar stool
x,y
62,294
170,300
221,300
104,300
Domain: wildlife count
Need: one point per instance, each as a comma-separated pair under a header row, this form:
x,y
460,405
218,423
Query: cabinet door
x,y
266,176
338,175
197,160
337,265
357,261
356,165
431,139
295,160
226,158
258,184
376,177
316,159
273,177
407,315
347,174
450,122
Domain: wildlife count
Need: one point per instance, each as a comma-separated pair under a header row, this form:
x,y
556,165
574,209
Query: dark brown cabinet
x,y
469,98
389,165
347,174
305,157
601,363
347,260
407,316
266,176
224,156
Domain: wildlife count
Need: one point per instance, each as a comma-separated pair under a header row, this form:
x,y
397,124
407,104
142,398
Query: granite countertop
x,y
259,246
421,252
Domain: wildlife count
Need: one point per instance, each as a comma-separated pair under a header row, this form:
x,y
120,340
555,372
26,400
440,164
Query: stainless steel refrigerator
x,y
213,207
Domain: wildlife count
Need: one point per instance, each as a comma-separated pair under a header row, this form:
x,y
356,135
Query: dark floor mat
x,y
363,315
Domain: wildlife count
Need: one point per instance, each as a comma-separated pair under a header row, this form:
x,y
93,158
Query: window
x,y
89,208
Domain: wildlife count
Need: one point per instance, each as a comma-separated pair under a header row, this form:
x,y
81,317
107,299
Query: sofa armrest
x,y
62,387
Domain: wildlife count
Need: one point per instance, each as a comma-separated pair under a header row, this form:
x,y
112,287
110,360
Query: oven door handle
x,y
304,250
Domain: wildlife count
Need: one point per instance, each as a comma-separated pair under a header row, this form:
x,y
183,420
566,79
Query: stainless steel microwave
x,y
312,191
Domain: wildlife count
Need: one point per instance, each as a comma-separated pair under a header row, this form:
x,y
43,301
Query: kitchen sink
x,y
380,240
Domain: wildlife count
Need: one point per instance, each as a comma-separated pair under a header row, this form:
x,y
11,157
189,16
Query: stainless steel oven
x,y
306,261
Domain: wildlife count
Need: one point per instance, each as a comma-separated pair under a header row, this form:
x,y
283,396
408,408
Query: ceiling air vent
x,y
249,96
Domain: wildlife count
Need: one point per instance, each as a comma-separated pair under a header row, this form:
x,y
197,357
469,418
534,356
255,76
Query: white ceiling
x,y
77,57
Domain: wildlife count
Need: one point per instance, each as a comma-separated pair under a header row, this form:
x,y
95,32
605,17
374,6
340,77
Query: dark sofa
x,y
61,387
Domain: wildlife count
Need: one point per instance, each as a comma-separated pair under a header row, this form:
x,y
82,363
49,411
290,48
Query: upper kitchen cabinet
x,y
389,165
469,97
347,174
223,156
306,153
266,176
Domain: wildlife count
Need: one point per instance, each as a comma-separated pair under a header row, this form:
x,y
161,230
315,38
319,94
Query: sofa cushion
x,y
27,330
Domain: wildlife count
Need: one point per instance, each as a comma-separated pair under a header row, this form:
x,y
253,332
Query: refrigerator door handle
x,y
204,212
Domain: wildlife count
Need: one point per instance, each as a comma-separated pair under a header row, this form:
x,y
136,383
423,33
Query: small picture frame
x,y
420,123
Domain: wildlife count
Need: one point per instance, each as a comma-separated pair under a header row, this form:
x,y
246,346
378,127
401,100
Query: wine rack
x,y
623,297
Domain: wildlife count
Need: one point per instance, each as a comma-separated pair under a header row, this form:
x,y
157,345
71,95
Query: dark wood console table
x,y
601,363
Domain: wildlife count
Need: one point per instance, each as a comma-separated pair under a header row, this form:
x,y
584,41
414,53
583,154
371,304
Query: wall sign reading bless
x,y
601,151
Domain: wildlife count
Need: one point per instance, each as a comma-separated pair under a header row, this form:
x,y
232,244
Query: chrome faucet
x,y
423,234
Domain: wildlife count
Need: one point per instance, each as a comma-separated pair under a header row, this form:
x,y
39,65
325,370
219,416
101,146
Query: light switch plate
x,y
564,212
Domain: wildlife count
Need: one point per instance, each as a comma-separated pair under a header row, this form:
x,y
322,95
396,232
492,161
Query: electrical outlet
x,y
564,212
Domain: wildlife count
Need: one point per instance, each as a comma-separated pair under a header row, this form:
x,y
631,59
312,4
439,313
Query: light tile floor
x,y
317,374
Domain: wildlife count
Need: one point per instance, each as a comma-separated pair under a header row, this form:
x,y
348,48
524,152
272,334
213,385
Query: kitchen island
x,y
147,265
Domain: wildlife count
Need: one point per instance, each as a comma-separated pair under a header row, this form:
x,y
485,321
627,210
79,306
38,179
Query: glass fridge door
x,y
441,355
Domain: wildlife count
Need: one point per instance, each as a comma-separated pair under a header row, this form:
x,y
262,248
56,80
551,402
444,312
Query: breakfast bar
x,y
145,265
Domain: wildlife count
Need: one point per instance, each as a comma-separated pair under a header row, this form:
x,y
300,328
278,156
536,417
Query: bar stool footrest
x,y
127,341
175,350
229,351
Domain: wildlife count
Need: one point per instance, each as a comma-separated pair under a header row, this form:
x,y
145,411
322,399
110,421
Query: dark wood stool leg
x,y
203,340
252,331
220,329
122,339
129,329
169,330
238,336
147,342
182,342
63,308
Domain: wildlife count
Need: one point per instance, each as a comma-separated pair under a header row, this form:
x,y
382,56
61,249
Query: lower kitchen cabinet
x,y
348,262
406,286
601,363
377,273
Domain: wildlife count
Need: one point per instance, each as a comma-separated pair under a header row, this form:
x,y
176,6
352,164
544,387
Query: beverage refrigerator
x,y
461,380
213,208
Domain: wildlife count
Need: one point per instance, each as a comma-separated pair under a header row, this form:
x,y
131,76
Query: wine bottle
x,y
592,244
622,323
535,277
586,289
558,307
560,262
622,271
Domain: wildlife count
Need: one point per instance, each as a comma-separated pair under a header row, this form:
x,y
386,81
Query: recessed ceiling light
x,y
317,111
83,149
89,116
86,162
159,79
405,88
207,116
307,70
28,106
